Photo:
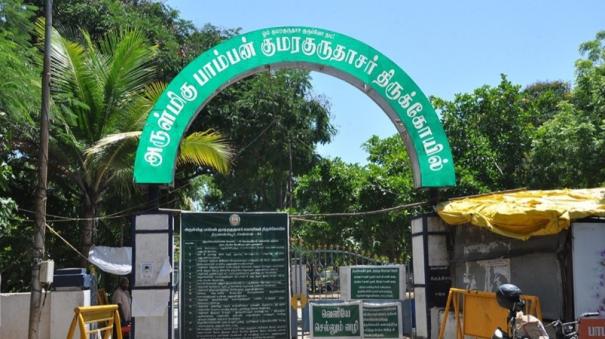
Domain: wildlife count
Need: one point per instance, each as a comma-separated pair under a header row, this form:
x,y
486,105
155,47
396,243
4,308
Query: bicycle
x,y
569,330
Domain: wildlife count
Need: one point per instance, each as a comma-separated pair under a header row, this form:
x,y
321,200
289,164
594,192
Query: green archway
x,y
295,47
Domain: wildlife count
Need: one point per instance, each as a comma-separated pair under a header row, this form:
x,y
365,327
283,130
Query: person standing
x,y
121,296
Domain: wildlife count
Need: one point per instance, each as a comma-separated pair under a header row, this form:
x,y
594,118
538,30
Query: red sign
x,y
592,328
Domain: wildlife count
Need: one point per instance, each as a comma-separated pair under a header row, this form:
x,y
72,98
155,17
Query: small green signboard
x,y
375,283
234,275
340,320
382,320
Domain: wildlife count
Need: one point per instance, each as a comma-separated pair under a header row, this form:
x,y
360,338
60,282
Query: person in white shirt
x,y
121,296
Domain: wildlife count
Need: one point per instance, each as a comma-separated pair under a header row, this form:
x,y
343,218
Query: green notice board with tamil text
x,y
339,320
234,275
382,320
374,283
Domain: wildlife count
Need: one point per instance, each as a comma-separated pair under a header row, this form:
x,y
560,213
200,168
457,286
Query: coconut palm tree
x,y
102,93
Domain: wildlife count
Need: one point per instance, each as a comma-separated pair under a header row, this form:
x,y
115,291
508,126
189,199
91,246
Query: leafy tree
x,y
542,100
20,86
332,186
589,93
389,184
569,149
275,123
19,89
178,40
19,99
563,152
103,93
589,96
490,133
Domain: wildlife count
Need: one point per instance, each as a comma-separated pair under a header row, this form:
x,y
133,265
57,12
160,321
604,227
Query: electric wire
x,y
300,217
256,137
354,214
116,215
297,217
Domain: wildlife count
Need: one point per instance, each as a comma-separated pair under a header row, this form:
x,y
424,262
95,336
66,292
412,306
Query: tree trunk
x,y
87,229
35,299
290,176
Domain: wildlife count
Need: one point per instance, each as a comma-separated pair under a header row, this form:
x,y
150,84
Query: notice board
x,y
370,282
382,320
234,275
336,321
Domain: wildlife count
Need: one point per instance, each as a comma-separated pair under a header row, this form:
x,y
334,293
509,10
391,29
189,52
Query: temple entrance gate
x,y
263,50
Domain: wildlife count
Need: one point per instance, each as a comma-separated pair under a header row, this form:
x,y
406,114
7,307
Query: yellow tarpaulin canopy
x,y
524,214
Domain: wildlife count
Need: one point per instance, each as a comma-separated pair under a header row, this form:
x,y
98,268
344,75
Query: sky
x,y
447,47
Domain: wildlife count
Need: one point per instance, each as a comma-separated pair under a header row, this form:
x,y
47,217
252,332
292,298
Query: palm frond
x,y
73,82
133,114
112,153
206,149
110,140
130,67
98,62
122,183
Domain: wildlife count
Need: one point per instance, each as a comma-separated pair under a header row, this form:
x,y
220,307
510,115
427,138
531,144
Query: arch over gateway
x,y
295,47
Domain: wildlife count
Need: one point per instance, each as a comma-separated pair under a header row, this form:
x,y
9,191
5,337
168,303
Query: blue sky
x,y
447,47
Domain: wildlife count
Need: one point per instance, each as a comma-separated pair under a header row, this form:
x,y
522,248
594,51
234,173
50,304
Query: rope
x,y
52,230
308,220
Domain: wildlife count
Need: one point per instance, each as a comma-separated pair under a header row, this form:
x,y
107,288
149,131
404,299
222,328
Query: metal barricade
x,y
481,314
105,316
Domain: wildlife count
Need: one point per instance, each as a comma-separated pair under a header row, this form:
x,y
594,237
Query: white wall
x,y
153,327
57,312
15,316
437,317
62,311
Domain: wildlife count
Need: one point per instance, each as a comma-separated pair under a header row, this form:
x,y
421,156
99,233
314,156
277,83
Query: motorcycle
x,y
522,326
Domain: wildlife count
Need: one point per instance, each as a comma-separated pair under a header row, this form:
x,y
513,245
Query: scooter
x,y
508,296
